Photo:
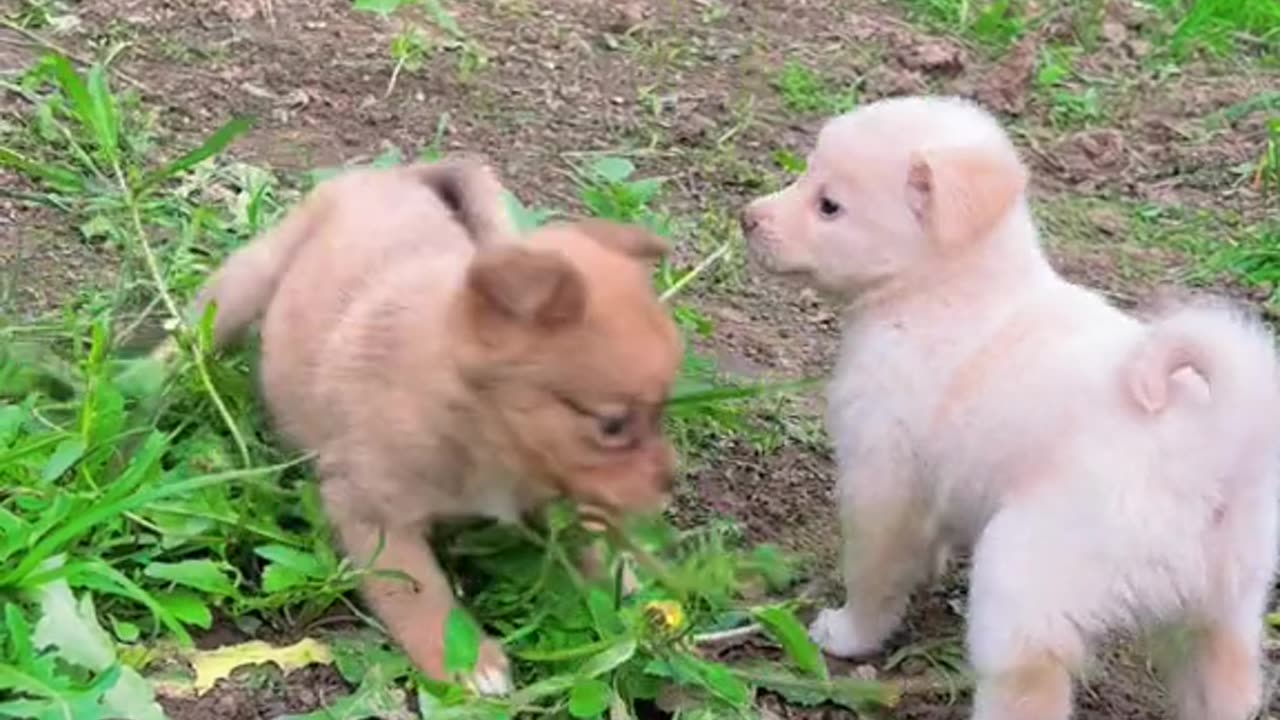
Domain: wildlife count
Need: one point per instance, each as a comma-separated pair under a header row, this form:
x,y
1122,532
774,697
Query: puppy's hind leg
x,y
888,549
1221,676
1026,592
1222,679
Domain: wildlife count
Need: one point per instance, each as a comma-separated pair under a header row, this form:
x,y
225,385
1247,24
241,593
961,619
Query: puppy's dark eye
x,y
828,208
614,427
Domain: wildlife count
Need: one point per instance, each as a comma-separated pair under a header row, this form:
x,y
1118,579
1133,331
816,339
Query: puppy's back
x,y
377,224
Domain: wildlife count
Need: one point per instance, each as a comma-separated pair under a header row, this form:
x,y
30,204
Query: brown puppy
x,y
439,367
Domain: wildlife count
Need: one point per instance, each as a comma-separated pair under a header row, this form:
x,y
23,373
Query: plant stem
x,y
198,354
700,268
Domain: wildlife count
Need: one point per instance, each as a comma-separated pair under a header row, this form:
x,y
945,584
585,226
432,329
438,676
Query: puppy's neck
x,y
994,269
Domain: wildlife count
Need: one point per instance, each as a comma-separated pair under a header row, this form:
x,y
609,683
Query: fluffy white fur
x,y
1108,473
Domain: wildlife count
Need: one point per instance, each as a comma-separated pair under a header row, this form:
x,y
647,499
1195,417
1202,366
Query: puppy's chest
x,y
881,380
491,493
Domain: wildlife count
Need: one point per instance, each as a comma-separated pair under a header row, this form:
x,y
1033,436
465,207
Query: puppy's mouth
x,y
595,517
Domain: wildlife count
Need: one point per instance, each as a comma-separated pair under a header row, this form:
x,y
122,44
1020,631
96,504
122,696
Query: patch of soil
x,y
258,695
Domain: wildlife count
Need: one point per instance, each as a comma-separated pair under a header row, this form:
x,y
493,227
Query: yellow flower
x,y
666,615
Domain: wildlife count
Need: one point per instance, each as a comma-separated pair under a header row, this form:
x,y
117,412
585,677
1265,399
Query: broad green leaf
x,y
783,626
689,670
214,144
132,698
608,660
278,578
126,631
204,575
67,453
723,683
461,641
303,563
70,627
613,169
589,698
603,614
186,607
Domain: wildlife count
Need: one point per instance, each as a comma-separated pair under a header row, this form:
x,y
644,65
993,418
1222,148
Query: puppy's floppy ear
x,y
959,193
633,240
513,286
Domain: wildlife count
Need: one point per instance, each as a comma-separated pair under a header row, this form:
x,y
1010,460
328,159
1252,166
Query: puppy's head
x,y
570,357
888,189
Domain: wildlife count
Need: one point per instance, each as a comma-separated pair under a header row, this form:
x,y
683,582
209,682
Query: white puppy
x,y
1109,474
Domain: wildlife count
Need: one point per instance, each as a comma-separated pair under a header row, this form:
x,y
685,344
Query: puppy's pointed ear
x,y
511,286
960,193
633,240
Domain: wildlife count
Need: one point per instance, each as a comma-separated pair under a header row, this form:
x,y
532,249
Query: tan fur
x,y
440,366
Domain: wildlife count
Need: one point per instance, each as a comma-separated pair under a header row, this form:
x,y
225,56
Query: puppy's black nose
x,y
748,220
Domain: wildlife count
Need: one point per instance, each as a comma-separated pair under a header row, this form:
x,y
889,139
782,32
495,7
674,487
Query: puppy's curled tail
x,y
473,194
1234,354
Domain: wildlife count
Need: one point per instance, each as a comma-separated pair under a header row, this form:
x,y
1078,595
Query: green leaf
x,y
783,626
856,694
132,698
187,607
717,678
70,627
59,178
589,698
380,7
608,660
278,578
106,121
126,631
461,641
601,606
214,144
613,169
19,632
67,453
302,563
203,575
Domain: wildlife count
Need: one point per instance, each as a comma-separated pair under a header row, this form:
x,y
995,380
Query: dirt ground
x,y
690,83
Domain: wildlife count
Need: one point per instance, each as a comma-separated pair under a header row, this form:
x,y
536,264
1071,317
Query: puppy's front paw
x,y
492,673
835,632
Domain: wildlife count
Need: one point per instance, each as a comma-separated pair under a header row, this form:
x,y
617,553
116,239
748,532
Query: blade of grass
x,y
214,144
92,115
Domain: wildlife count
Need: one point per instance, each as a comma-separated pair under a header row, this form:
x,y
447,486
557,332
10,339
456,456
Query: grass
x,y
996,24
139,507
806,92
1222,27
